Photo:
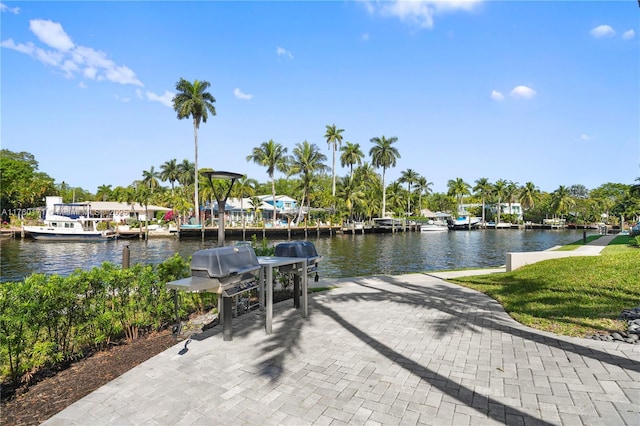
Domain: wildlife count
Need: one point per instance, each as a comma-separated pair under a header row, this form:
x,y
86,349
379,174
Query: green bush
x,y
49,319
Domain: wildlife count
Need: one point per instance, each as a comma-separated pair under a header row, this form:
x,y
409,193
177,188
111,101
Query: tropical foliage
x,y
361,194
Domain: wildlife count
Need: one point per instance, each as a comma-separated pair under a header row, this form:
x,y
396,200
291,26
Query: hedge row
x,y
50,319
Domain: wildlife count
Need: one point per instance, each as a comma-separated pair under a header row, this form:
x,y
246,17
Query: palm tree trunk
x,y
197,204
384,195
333,170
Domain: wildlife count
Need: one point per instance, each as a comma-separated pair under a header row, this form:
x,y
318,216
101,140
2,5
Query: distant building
x,y
505,208
236,208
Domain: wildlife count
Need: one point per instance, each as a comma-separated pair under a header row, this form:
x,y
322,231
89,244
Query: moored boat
x,y
387,224
464,222
68,222
434,226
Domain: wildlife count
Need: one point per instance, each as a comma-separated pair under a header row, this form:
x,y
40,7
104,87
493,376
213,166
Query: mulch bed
x,y
52,394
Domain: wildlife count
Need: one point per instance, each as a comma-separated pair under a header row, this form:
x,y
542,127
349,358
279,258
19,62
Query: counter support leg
x,y
227,330
269,302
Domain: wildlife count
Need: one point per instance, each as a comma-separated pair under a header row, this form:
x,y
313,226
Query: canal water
x,y
343,255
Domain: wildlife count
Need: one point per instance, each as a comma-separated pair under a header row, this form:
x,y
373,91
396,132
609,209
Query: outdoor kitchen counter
x,y
267,264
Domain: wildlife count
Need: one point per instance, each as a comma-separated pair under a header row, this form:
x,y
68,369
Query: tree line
x,y
363,193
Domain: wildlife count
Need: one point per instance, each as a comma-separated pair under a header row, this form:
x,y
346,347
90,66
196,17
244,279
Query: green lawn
x,y
572,296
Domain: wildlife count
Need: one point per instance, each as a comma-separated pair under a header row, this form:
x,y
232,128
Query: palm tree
x,y
384,155
193,101
185,173
396,197
351,155
104,192
409,177
307,161
351,193
273,156
169,171
529,196
499,193
458,188
561,200
369,179
510,193
334,138
483,189
423,186
150,178
244,187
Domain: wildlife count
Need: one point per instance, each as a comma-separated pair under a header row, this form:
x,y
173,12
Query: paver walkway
x,y
390,350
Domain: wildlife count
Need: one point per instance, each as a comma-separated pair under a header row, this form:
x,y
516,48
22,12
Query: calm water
x,y
343,255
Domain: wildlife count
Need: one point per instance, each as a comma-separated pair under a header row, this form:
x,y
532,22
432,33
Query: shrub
x,y
49,319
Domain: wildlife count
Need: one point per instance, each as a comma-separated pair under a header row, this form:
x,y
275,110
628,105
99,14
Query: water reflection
x,y
343,255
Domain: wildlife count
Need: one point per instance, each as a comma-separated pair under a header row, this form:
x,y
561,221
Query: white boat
x,y
434,226
465,222
69,222
387,224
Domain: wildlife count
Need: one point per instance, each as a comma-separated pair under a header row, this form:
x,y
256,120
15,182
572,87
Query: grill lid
x,y
297,249
222,262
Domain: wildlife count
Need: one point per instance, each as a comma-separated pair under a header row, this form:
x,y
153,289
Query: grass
x,y
573,296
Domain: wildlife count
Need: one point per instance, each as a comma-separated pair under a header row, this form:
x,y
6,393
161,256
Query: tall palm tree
x,y
150,178
423,186
104,192
306,161
334,138
498,192
483,189
351,155
384,155
458,188
193,101
273,156
409,177
169,171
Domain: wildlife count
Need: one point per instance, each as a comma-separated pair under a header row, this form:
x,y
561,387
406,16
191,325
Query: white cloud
x,y
365,36
238,94
165,99
497,96
628,35
523,92
5,8
281,51
51,34
71,59
27,48
602,31
122,99
584,137
82,85
419,12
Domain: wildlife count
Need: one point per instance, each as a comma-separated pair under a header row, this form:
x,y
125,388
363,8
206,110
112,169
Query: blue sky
x,y
547,92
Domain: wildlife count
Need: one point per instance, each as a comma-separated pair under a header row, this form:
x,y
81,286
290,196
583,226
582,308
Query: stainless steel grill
x,y
227,271
300,249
